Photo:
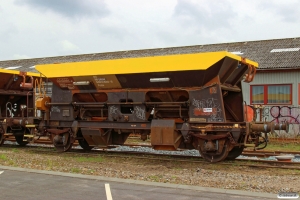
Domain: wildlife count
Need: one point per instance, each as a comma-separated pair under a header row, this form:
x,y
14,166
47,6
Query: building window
x,y
257,94
271,94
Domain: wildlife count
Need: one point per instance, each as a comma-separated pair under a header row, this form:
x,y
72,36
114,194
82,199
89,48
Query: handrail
x,y
27,85
39,85
27,103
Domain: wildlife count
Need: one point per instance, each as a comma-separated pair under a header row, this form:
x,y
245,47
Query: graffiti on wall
x,y
12,110
139,112
281,114
285,113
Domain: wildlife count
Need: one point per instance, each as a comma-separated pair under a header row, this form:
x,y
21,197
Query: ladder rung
x,y
29,136
30,126
249,145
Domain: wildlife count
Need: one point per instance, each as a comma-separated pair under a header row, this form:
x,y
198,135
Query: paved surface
x,y
18,183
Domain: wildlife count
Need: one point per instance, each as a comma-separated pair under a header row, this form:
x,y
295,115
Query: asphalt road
x,y
18,183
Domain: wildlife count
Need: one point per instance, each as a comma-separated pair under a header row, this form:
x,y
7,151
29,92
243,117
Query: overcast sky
x,y
44,28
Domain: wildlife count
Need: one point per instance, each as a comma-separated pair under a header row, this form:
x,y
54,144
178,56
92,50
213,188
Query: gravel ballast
x,y
197,174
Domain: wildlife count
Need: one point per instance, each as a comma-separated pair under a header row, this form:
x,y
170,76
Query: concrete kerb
x,y
156,184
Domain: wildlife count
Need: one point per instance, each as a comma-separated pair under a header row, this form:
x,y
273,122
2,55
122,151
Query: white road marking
x,y
1,172
108,193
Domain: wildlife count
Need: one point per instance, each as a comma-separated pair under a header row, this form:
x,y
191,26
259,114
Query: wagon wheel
x,y
19,136
234,153
214,156
82,142
62,142
2,137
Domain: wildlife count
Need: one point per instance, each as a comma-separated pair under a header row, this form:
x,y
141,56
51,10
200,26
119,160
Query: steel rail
x,y
167,157
249,153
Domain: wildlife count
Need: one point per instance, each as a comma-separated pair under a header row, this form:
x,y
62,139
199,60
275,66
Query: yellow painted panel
x,y
105,82
250,62
182,62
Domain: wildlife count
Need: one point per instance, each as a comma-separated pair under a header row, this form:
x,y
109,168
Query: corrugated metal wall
x,y
279,113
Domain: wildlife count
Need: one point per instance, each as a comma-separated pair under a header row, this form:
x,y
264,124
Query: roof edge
x,y
166,48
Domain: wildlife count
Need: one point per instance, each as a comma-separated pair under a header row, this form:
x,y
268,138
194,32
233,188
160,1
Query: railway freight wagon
x,y
189,101
17,110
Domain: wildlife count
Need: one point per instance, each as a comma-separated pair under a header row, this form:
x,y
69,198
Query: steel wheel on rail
x,y
62,142
19,136
235,152
82,142
2,137
216,156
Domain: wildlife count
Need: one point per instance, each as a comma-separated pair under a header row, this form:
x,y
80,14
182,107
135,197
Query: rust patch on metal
x,y
210,136
58,131
250,74
213,90
65,83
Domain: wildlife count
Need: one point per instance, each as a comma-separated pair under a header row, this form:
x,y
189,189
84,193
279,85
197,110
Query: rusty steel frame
x,y
201,110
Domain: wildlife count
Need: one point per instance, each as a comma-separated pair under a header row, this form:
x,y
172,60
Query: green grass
x,y
155,178
75,170
12,163
15,150
3,157
174,177
283,147
89,159
49,163
136,140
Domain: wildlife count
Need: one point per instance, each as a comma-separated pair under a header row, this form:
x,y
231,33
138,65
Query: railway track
x,y
280,140
271,139
285,140
265,154
248,153
161,157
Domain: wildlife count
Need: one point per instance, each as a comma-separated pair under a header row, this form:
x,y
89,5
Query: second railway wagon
x,y
17,104
186,101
